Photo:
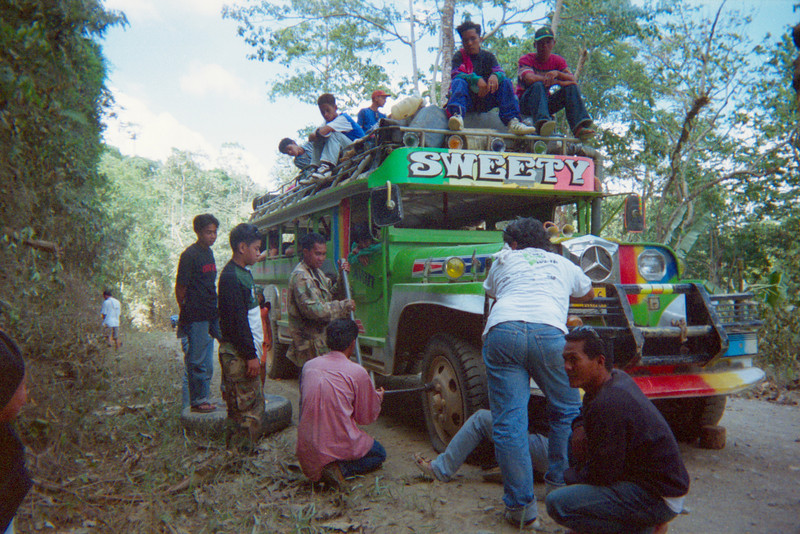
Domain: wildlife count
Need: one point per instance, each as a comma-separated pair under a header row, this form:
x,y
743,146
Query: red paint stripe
x,y
673,386
627,264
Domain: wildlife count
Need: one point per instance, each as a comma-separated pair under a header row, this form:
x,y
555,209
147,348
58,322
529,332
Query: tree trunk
x,y
448,45
413,44
556,17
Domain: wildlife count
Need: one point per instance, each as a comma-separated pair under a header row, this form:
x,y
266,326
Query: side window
x,y
273,242
288,233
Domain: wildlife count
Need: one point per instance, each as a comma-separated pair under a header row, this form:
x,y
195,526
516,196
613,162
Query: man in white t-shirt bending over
x,y
524,339
110,311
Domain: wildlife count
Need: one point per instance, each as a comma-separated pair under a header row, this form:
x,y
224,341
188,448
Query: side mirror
x,y
386,205
634,214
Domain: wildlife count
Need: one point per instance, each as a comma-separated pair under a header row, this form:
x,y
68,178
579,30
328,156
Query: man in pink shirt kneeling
x,y
337,395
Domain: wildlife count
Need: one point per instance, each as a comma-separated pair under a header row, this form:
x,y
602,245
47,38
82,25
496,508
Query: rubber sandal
x,y
206,407
424,465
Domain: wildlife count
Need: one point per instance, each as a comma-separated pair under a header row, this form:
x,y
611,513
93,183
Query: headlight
x,y
454,268
411,139
498,145
652,265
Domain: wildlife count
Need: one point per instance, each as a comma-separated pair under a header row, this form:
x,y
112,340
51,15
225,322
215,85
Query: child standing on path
x,y
110,311
242,333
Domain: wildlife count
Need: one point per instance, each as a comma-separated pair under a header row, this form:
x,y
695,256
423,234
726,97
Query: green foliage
x,y
326,46
149,208
51,95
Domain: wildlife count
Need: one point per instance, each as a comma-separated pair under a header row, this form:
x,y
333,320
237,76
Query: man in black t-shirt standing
x,y
196,293
478,83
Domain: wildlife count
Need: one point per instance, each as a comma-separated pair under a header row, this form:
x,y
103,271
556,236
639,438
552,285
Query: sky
x,y
181,79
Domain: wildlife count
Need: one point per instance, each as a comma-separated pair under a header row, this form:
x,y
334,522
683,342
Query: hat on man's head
x,y
12,369
379,92
543,33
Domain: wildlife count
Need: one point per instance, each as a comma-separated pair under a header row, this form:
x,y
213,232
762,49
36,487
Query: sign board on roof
x,y
461,167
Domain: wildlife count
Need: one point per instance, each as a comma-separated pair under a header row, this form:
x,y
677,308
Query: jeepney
x,y
436,202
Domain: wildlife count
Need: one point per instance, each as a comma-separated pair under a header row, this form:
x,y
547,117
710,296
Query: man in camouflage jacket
x,y
311,305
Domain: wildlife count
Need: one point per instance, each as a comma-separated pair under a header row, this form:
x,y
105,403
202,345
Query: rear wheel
x,y
456,369
278,365
687,417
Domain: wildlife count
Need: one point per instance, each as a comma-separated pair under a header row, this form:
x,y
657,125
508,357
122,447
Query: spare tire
x,y
277,416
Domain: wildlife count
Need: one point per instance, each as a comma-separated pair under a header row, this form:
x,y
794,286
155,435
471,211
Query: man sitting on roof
x,y
302,154
536,76
479,84
369,118
329,139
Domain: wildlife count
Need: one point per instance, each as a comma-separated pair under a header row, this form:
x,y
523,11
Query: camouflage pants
x,y
304,349
243,394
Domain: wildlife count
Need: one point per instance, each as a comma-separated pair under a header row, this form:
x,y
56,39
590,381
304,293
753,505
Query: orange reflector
x,y
455,142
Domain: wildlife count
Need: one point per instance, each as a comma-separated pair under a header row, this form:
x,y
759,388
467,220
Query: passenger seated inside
x,y
363,244
478,83
536,77
338,131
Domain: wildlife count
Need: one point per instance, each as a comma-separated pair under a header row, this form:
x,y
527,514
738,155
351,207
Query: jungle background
x,y
692,114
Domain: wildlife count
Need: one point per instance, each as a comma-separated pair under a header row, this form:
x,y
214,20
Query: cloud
x,y
204,7
150,10
135,10
136,130
210,78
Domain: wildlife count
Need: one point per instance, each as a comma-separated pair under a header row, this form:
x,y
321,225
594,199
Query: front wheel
x,y
458,375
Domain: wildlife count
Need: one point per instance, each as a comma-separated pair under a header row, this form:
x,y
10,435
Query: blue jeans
x,y
536,102
328,149
476,429
515,352
198,356
463,100
622,507
369,462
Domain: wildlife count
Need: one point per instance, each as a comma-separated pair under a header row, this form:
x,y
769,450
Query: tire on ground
x,y
458,370
278,365
687,417
277,416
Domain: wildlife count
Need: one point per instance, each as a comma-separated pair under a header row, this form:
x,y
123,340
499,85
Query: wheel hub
x,y
445,399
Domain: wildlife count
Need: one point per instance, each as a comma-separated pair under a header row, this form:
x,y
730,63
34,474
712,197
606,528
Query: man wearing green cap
x,y
536,76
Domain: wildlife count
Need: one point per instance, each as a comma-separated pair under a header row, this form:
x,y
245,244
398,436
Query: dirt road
x,y
117,450
753,485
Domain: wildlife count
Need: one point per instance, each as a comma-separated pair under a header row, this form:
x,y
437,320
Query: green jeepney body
x,y
424,279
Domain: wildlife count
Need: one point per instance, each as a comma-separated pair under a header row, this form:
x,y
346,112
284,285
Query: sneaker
x,y
455,123
584,133
547,128
323,172
518,128
332,475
